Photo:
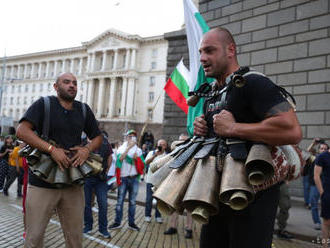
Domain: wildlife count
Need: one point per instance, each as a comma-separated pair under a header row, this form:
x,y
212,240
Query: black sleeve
x,y
91,128
35,115
262,94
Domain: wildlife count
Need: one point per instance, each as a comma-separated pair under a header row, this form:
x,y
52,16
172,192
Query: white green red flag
x,y
181,80
195,28
177,87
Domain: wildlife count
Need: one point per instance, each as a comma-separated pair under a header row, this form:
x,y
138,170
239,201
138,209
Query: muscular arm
x,y
25,133
280,128
317,178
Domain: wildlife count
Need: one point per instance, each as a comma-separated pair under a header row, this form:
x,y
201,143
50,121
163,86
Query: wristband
x,y
50,149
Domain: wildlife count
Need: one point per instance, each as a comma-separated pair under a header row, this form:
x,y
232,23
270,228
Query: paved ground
x,y
150,235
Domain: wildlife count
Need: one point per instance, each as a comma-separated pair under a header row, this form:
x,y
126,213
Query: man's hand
x,y
59,155
130,144
81,155
200,126
223,123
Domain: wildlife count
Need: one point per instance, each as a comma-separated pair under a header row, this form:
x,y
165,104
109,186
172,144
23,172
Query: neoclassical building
x,y
120,76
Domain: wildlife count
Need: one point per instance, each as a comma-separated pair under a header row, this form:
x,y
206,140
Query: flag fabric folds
x,y
181,80
177,86
195,28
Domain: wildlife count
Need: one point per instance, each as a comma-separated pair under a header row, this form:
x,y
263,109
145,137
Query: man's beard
x,y
65,96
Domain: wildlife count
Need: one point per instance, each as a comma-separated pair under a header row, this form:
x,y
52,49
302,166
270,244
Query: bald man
x,y
256,112
68,119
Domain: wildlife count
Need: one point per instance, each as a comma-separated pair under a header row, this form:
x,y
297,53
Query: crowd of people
x,y
256,113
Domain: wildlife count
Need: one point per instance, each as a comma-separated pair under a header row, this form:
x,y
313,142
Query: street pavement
x,y
150,235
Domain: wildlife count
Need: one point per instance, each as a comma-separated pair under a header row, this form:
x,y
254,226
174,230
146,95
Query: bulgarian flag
x,y
181,80
195,28
177,87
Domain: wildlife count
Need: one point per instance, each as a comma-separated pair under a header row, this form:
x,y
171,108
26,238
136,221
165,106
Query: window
x,y
152,81
33,87
25,100
18,100
41,87
153,65
154,53
151,96
12,100
12,88
32,99
26,88
150,114
19,88
49,87
4,100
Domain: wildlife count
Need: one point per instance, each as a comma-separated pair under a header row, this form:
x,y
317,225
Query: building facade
x,y
120,76
286,40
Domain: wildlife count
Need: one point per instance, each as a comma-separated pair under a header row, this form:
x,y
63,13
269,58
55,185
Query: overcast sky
x,y
28,26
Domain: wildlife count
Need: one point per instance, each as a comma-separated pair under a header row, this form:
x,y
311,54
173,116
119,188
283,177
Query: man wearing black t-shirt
x,y
256,112
67,122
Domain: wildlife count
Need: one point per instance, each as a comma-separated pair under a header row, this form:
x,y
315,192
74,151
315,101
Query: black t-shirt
x,y
323,160
3,149
248,104
66,126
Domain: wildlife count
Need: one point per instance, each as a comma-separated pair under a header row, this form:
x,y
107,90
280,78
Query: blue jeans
x,y
130,184
315,196
149,198
307,187
94,184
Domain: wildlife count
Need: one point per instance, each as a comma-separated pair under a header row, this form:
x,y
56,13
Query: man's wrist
x,y
50,149
88,148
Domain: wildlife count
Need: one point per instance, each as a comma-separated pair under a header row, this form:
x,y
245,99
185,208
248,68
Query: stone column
x,y
32,70
104,60
100,100
93,62
112,97
72,66
133,59
19,68
55,68
127,58
63,66
25,70
90,93
130,97
80,66
40,69
12,72
123,97
114,66
47,70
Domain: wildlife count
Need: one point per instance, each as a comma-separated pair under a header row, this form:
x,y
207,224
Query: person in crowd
x,y
154,155
322,167
256,112
67,120
174,217
314,193
5,151
284,206
15,170
111,177
129,167
98,185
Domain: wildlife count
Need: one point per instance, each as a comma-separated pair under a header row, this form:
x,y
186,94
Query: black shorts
x,y
251,227
325,205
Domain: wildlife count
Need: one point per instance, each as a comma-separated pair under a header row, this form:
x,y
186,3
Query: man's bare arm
x,y
317,178
280,128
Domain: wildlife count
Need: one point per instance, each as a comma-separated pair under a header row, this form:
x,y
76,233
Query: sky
x,y
29,26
